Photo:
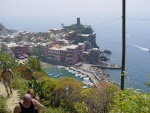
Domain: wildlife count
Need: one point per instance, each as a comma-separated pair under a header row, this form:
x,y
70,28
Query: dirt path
x,y
12,100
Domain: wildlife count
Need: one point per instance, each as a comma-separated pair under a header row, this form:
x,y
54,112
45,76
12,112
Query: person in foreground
x,y
7,76
34,96
27,105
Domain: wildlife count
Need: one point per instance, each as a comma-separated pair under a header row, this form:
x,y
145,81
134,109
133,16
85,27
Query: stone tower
x,y
78,21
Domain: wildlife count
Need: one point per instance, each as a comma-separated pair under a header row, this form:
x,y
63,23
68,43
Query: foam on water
x,y
141,48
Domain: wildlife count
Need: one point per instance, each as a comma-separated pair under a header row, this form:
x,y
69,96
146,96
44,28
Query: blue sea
x,y
109,36
137,55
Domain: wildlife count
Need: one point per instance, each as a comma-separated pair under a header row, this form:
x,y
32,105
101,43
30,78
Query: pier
x,y
92,76
107,65
113,66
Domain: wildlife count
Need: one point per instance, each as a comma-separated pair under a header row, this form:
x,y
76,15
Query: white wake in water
x,y
141,48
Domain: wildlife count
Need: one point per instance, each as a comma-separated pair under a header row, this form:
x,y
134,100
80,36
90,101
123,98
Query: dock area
x,y
96,75
107,65
91,75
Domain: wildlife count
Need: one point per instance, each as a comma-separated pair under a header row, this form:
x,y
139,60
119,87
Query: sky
x,y
13,12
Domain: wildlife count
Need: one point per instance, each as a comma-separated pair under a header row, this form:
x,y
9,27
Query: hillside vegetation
x,y
66,95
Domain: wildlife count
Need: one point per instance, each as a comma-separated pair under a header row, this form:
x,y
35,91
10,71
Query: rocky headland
x,y
5,31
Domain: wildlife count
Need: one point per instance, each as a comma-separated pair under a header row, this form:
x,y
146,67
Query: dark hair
x,y
32,93
5,67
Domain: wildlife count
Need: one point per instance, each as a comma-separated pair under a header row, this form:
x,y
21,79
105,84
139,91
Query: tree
x,y
66,92
98,100
148,84
39,87
34,64
6,59
38,75
131,101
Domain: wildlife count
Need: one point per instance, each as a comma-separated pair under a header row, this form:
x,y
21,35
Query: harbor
x,y
56,72
87,74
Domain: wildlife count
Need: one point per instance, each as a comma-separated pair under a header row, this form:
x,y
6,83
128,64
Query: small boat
x,y
77,75
51,74
57,75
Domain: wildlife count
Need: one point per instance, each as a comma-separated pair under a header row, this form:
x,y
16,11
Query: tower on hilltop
x,y
78,21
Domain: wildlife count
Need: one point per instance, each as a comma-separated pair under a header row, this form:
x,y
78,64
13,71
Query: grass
x,y
3,106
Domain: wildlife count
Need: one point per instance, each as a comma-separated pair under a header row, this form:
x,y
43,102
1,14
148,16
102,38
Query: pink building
x,y
81,48
66,54
71,54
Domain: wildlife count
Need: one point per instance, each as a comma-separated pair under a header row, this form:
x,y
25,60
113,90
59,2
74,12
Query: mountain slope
x,y
5,31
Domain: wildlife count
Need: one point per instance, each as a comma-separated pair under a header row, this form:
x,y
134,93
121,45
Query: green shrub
x,y
54,110
3,107
20,84
131,101
79,107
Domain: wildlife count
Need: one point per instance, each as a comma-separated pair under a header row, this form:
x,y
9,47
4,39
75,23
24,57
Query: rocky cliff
x,y
5,31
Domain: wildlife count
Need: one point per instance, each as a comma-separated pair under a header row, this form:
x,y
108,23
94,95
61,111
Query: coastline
x,y
95,74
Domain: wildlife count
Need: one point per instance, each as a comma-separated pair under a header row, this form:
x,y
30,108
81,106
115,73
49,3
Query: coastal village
x,y
71,47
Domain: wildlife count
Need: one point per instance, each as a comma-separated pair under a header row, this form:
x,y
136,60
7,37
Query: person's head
x,y
5,68
27,99
32,93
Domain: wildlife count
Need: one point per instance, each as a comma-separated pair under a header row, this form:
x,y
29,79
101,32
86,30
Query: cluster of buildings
x,y
52,46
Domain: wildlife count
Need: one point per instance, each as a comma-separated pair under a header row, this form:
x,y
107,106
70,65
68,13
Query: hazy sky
x,y
31,10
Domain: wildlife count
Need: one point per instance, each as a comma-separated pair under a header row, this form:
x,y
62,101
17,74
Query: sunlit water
x,y
137,51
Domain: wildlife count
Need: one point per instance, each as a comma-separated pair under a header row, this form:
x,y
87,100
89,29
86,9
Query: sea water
x,y
53,71
137,64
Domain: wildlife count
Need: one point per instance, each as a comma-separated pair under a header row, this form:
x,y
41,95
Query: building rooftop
x,y
12,36
11,44
55,29
85,35
95,49
57,45
72,47
54,48
80,43
64,48
43,44
63,40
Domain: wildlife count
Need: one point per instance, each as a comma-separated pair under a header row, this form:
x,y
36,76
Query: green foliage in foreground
x,y
38,86
66,95
54,110
148,84
34,64
20,83
6,59
129,101
3,107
